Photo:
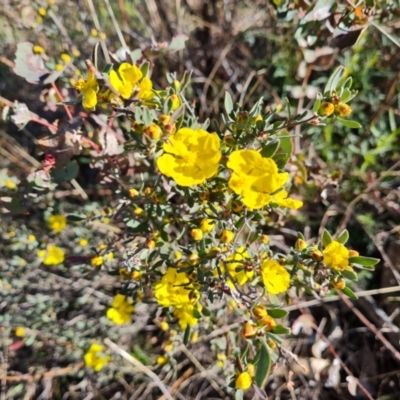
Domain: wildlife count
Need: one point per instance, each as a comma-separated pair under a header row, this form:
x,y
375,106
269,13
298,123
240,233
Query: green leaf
x,y
346,96
65,173
349,123
326,238
263,365
228,102
206,312
300,236
186,336
239,394
196,313
349,293
107,69
76,218
334,80
177,43
347,83
343,237
280,330
270,149
277,313
136,55
145,68
350,275
317,103
364,261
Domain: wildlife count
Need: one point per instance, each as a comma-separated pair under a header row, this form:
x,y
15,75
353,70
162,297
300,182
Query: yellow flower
x,y
121,310
126,79
227,236
255,179
207,225
162,360
191,156
95,357
83,242
276,279
42,11
38,49
20,331
89,89
53,255
336,256
9,184
233,263
97,261
243,381
57,222
66,58
175,289
197,234
185,315
58,67
31,238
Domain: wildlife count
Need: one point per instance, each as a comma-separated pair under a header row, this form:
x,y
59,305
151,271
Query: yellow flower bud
x,y
249,330
193,259
300,244
136,275
229,140
76,52
31,238
176,84
83,242
138,211
150,244
94,32
20,331
66,58
317,255
326,109
176,101
42,11
162,360
267,322
259,311
353,253
340,284
154,132
243,381
197,234
123,272
133,193
195,337
207,225
251,369
58,67
164,326
103,36
38,49
343,110
265,239
227,236
97,261
271,344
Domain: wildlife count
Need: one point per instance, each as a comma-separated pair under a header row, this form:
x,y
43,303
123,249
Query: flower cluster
x,y
121,310
258,181
96,358
176,290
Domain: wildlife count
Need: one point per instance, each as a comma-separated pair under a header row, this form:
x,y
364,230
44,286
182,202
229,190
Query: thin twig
x,y
363,293
371,327
139,366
